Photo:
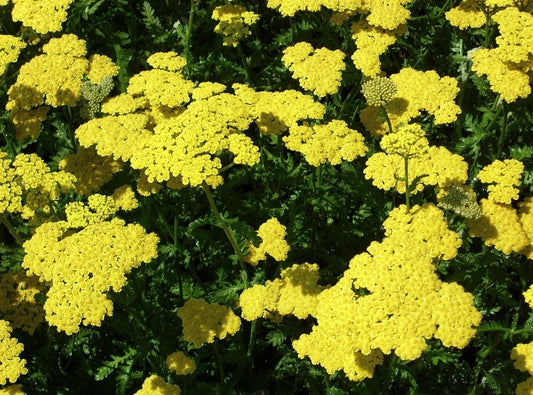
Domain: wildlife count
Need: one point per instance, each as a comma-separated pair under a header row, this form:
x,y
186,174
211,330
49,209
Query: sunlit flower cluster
x,y
504,178
233,22
430,165
294,293
165,140
43,16
522,355
275,112
53,78
10,48
17,300
203,321
390,299
273,243
318,70
180,364
11,365
372,42
82,267
156,385
417,91
332,142
508,66
28,187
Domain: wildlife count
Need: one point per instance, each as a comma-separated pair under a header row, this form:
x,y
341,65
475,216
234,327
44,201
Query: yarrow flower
x,y
317,70
233,24
10,48
202,321
378,91
156,385
273,243
180,364
82,267
390,299
417,91
522,355
504,177
460,199
90,169
294,293
43,16
18,304
331,142
11,365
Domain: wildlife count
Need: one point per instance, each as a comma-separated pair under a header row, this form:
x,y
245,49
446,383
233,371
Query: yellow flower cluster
x,y
275,112
378,91
390,299
409,141
99,207
100,66
12,389
53,78
233,22
90,169
10,48
156,385
473,13
28,187
331,142
509,65
202,321
180,364
163,139
43,16
504,177
169,61
500,226
11,366
81,267
295,293
431,165
273,243
317,70
417,91
372,41
522,354
17,300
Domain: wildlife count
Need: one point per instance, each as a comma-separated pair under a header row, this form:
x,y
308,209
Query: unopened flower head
x,y
378,91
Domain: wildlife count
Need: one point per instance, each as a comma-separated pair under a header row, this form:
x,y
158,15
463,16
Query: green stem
x,y
503,133
384,111
407,187
219,362
189,33
11,230
226,229
251,343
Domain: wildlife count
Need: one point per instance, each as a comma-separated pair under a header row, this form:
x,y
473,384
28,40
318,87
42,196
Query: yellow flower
x,y
179,363
504,177
11,366
378,91
273,243
10,48
17,300
169,61
43,16
202,321
317,70
82,267
409,141
155,385
331,142
101,66
233,23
